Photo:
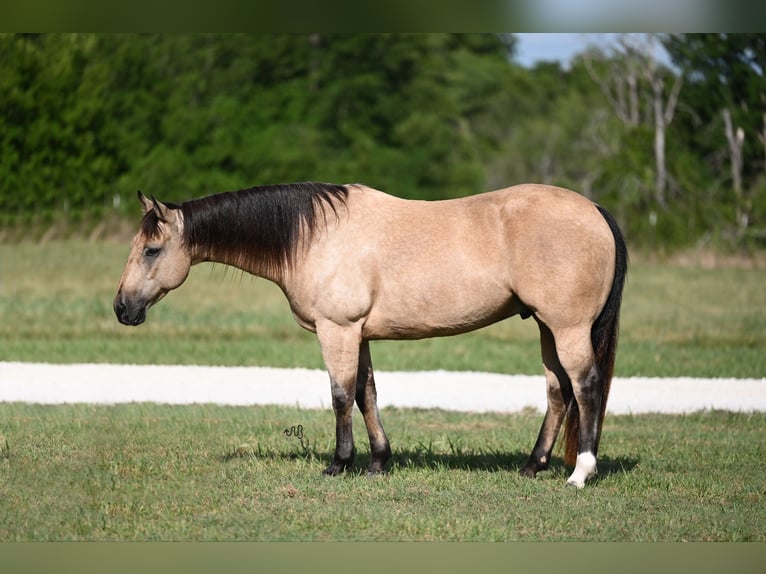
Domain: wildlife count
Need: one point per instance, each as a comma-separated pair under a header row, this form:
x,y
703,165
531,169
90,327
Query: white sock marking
x,y
584,469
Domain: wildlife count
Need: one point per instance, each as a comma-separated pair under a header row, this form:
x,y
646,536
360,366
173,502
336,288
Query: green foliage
x,y
88,119
726,71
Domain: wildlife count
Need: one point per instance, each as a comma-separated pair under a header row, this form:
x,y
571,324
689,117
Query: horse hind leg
x,y
559,392
575,352
367,401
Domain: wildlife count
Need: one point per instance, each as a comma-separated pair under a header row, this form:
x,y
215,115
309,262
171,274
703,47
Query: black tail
x,y
603,335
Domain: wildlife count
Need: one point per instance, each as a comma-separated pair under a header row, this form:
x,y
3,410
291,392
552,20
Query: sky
x,y
532,48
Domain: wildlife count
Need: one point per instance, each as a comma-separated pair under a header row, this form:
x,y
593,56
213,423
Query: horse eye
x,y
151,252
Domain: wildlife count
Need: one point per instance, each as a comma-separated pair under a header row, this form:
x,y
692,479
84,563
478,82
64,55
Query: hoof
x,y
376,473
334,470
584,469
575,485
528,472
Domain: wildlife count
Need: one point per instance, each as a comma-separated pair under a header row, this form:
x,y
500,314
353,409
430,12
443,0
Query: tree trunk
x,y
661,177
663,116
736,139
762,135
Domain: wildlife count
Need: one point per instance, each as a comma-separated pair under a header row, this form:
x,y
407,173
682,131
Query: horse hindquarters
x,y
579,363
604,335
583,430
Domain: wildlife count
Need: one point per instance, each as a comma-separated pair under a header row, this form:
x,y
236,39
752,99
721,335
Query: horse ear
x,y
164,213
146,204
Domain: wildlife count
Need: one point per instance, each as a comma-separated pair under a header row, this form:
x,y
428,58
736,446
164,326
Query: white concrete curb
x,y
463,391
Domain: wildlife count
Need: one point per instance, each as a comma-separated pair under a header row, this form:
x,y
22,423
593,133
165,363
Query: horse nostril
x,y
120,307
117,305
129,313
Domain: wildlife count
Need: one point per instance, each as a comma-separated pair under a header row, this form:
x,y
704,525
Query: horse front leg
x,y
340,351
367,400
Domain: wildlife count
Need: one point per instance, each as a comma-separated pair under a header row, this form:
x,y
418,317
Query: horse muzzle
x,y
129,312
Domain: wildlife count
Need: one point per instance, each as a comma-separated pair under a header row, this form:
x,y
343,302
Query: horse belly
x,y
448,309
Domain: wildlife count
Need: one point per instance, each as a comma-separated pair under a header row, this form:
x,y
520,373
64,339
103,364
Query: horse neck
x,y
227,241
261,230
200,254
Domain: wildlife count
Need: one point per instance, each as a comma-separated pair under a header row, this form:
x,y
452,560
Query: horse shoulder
x,y
331,280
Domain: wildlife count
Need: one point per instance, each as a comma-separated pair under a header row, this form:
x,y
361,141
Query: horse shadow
x,y
424,457
499,462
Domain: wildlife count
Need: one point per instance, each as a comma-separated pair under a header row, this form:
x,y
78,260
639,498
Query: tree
x,y
632,61
726,88
87,119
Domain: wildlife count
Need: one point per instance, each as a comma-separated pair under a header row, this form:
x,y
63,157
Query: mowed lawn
x,y
152,472
155,472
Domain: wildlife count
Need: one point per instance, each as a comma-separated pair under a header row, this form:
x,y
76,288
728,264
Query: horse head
x,y
158,262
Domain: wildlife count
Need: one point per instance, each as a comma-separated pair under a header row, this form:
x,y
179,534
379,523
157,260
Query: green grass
x,y
55,304
149,472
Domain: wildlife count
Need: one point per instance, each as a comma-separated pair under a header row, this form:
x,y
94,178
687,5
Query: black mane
x,y
260,227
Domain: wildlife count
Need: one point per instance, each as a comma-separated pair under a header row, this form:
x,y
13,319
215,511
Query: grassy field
x,y
150,472
55,304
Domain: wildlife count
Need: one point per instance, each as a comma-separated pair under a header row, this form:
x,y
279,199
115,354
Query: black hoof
x,y
334,469
528,472
376,472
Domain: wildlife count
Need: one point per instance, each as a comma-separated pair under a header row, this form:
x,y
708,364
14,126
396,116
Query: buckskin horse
x,y
357,265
